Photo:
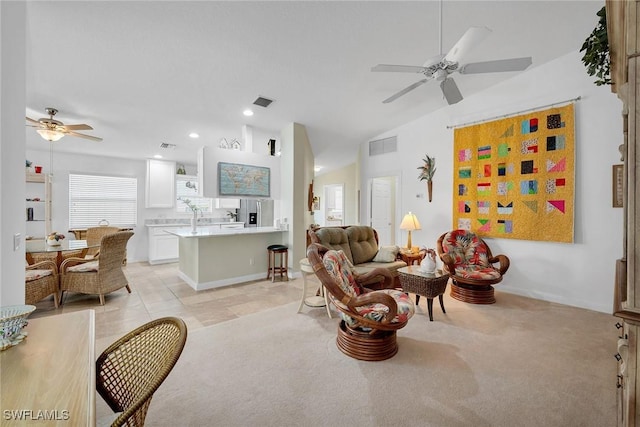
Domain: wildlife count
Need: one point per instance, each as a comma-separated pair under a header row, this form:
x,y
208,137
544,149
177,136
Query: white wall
x,y
579,274
12,143
347,176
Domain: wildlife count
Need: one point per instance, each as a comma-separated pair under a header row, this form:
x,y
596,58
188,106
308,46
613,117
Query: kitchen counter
x,y
213,231
187,223
216,257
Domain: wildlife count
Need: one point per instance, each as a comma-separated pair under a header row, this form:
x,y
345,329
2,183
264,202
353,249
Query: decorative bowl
x,y
12,319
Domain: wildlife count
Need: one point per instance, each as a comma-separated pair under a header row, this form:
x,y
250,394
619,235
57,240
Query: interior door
x,y
381,209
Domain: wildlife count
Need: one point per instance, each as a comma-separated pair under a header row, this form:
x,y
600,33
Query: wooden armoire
x,y
623,17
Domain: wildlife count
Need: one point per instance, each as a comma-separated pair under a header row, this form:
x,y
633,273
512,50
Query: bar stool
x,y
313,301
283,251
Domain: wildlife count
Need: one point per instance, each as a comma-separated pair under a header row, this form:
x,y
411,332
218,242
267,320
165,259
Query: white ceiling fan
x,y
441,66
52,130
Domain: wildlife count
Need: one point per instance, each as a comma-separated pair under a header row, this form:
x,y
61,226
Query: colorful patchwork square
x,y
505,209
464,155
527,167
508,132
555,143
553,184
484,189
484,152
464,172
502,169
483,207
505,226
485,225
529,126
487,171
464,206
464,224
529,187
555,205
462,190
503,188
503,149
530,146
554,121
560,166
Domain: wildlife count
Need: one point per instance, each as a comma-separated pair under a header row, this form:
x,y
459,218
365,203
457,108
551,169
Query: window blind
x,y
96,198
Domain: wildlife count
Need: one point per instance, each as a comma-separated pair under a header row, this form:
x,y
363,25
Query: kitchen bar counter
x,y
214,257
187,224
213,231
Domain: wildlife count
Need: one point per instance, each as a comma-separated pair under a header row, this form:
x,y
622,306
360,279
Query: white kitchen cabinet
x,y
227,203
160,186
163,247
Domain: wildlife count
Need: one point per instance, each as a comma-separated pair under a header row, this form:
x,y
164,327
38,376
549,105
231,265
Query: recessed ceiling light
x,y
247,112
194,135
157,156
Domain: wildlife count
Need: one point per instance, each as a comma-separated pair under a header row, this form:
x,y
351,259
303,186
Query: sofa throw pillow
x,y
386,254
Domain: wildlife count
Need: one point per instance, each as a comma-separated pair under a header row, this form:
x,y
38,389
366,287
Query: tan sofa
x,y
360,245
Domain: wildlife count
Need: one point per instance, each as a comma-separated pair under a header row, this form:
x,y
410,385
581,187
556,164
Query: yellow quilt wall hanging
x,y
514,177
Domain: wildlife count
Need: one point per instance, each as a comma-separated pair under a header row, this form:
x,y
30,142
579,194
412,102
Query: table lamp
x,y
409,222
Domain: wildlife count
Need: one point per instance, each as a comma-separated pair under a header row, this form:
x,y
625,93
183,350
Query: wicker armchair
x,y
469,261
101,275
94,236
41,280
131,369
370,319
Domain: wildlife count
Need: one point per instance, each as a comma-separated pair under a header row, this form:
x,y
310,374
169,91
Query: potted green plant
x,y
596,51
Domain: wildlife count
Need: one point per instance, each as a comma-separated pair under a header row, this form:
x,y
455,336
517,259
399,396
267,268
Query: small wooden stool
x,y
283,267
313,301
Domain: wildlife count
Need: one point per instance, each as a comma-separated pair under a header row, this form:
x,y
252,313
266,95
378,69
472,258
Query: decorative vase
x,y
53,242
194,223
428,264
429,188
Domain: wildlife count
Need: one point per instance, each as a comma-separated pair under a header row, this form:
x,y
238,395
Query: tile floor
x,y
157,291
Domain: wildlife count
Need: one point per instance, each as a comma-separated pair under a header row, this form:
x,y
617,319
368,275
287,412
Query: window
x,y
96,198
187,188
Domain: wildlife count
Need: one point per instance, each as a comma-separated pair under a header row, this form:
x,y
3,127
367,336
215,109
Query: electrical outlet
x,y
17,240
250,261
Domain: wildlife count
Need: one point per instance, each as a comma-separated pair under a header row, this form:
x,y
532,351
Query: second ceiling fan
x,y
441,66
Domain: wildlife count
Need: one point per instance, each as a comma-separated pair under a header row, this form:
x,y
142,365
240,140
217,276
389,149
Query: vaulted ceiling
x,y
147,72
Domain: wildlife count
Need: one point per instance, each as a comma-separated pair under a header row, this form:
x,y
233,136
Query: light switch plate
x,y
17,239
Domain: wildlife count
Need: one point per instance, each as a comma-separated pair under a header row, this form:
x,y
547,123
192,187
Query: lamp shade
x,y
51,135
410,222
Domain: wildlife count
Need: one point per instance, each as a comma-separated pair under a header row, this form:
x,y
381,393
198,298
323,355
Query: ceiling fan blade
x,y
469,40
29,119
77,127
404,91
81,135
398,68
513,64
450,91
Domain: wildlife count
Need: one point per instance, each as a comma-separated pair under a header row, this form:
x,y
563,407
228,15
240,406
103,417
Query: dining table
x,y
65,248
49,377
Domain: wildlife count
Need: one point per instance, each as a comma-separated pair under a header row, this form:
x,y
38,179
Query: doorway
x,y
333,204
383,212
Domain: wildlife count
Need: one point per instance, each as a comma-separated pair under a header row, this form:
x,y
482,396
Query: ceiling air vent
x,y
165,145
383,146
262,102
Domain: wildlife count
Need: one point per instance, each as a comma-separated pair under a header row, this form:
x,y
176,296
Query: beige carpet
x,y
519,362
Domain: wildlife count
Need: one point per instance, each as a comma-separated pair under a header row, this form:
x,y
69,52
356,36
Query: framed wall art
x,y
236,179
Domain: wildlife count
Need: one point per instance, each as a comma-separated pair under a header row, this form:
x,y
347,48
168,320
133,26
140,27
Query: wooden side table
x,y
425,284
411,257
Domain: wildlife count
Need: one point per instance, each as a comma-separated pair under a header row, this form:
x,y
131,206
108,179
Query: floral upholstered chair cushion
x,y
339,267
377,311
470,255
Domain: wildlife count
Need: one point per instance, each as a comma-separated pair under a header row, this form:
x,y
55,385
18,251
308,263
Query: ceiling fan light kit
x,y
53,130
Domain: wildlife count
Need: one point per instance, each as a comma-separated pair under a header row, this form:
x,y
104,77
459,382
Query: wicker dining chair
x,y
94,236
101,275
131,369
41,280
